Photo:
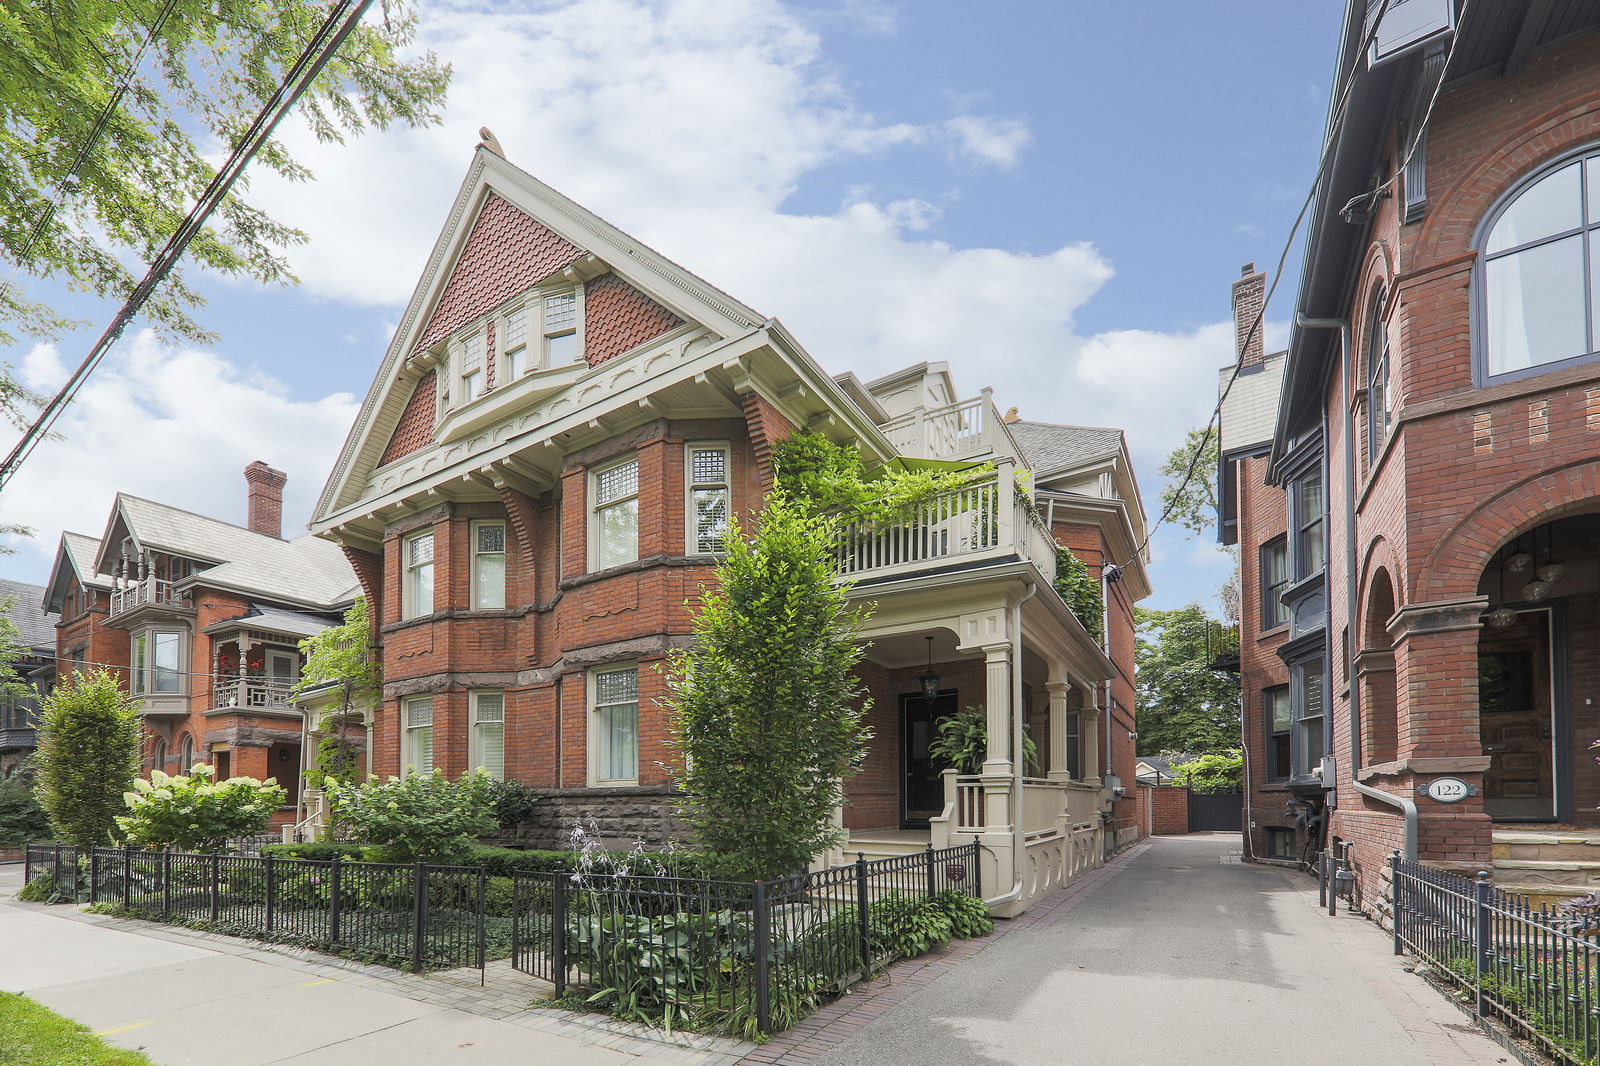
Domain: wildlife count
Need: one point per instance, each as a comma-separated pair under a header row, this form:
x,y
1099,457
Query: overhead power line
x,y
341,20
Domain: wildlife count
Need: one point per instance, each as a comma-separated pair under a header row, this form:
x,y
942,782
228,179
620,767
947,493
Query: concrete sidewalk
x,y
188,998
1180,954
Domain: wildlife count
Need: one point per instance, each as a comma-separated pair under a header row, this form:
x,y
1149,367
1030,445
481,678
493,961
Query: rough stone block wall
x,y
620,816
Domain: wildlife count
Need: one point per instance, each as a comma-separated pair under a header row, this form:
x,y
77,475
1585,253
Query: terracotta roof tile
x,y
415,428
618,317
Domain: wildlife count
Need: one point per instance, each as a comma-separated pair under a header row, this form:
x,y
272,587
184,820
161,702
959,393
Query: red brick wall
x,y
1169,811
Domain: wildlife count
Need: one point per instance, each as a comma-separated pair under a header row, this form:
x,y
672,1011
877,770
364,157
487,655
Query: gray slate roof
x,y
1047,447
37,627
272,620
1250,412
304,570
83,550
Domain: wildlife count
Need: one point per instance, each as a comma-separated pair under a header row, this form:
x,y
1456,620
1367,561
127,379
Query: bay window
x,y
1307,505
1274,579
1310,711
417,586
1275,712
614,524
157,662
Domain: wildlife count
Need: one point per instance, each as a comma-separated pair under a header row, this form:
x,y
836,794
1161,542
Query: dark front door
x,y
1515,719
922,792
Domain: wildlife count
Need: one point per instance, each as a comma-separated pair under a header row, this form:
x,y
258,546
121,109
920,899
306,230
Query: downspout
x,y
1406,804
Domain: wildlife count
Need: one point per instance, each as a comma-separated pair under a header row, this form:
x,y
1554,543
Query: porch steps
x,y
1547,865
884,846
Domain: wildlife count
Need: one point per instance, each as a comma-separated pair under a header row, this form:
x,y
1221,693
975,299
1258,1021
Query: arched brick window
x,y
1380,396
1375,675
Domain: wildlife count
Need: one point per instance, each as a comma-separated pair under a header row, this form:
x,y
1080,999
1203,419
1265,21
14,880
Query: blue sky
x,y
1052,197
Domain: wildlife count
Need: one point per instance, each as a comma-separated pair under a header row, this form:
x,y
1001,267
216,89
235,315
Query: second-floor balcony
x,y
966,429
253,693
151,591
989,520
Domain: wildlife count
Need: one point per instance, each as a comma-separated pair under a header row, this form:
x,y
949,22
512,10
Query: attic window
x,y
472,349
540,331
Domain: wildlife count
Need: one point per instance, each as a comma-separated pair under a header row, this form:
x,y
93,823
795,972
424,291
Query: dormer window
x,y
473,347
561,328
513,335
539,332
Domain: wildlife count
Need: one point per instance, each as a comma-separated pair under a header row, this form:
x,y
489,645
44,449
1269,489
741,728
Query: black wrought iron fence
x,y
51,872
723,951
417,915
1532,967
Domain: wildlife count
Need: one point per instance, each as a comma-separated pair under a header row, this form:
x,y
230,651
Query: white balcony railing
x,y
247,692
150,590
988,519
967,429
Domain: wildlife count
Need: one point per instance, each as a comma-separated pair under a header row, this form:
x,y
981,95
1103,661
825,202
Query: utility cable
x,y
330,35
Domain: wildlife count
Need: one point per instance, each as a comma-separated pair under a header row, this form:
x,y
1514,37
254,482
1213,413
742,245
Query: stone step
x,y
1549,895
1579,876
1548,846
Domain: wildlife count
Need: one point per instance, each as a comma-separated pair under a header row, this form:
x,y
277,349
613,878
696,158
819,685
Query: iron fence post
x,y
272,888
1396,907
166,883
977,870
333,899
127,879
57,874
933,886
861,912
558,932
216,871
763,959
419,914
1481,939
27,863
94,875
516,921
1322,879
483,902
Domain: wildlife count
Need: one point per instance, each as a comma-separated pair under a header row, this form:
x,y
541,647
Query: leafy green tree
x,y
1183,703
197,812
340,656
424,817
1192,503
88,757
767,714
22,820
1221,771
198,71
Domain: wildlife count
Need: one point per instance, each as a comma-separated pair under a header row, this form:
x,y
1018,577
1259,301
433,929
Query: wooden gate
x,y
1219,812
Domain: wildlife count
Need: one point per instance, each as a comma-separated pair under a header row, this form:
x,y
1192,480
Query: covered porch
x,y
996,640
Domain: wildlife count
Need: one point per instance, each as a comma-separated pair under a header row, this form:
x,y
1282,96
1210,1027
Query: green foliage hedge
x,y
503,862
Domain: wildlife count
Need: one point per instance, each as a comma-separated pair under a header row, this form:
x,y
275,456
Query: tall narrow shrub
x,y
767,713
88,757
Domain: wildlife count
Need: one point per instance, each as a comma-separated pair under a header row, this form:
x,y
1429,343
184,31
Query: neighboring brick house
x,y
36,634
1438,441
201,620
536,488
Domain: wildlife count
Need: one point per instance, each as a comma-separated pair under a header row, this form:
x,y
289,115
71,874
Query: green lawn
x,y
30,1035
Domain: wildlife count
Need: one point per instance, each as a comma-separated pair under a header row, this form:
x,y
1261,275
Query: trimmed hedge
x,y
325,851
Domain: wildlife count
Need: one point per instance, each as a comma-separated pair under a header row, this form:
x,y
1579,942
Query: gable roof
x,y
35,625
512,205
1048,447
305,570
75,558
296,624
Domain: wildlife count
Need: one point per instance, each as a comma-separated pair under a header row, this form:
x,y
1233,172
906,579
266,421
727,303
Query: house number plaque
x,y
1447,790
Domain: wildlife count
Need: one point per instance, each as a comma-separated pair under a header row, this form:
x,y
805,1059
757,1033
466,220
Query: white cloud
x,y
177,425
990,139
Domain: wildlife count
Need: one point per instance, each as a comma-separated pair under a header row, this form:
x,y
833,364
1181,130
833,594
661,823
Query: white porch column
x,y
997,699
1058,689
1089,736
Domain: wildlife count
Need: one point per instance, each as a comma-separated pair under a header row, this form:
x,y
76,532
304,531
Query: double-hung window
x,y
489,732
1274,579
1309,697
1309,502
561,329
1380,397
473,347
1074,745
512,340
708,498
488,566
614,736
419,734
1279,720
614,528
417,597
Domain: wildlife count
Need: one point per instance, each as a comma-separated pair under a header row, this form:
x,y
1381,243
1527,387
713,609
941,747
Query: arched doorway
x,y
1542,625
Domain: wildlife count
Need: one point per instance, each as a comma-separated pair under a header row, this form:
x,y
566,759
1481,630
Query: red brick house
x,y
201,619
1437,445
537,485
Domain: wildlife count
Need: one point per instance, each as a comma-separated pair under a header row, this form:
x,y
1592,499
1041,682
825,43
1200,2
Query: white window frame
x,y
475,708
478,586
596,737
408,759
465,369
409,606
596,507
533,353
142,666
691,514
546,334
506,357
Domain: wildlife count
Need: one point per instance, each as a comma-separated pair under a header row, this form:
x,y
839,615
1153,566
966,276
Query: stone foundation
x,y
622,815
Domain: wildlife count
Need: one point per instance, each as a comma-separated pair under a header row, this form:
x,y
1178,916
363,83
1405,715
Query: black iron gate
x,y
1221,812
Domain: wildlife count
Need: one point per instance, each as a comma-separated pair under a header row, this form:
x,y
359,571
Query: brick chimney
x,y
264,506
1249,294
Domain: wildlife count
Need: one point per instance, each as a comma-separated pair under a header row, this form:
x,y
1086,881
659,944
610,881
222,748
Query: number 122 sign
x,y
1447,789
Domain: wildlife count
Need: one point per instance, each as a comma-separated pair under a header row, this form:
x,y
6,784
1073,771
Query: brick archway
x,y
1452,569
